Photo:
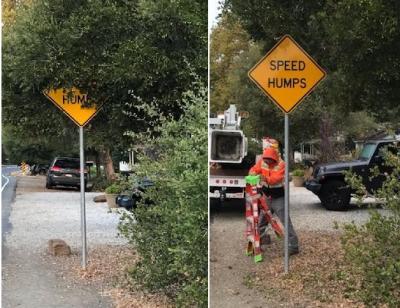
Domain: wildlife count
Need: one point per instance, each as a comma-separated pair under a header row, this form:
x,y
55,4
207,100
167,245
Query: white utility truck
x,y
228,148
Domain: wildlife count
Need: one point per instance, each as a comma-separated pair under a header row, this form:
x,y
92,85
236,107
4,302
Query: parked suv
x,y
64,171
328,183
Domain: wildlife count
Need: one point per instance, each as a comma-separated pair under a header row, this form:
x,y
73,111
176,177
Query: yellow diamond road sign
x,y
72,103
287,74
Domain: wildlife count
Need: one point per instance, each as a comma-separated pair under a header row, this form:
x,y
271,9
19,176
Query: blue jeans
x,y
277,206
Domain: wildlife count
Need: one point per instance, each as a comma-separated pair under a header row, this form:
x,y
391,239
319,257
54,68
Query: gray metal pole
x,y
83,208
286,193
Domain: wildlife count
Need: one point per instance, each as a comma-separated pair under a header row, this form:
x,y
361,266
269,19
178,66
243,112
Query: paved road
x,y
8,185
28,278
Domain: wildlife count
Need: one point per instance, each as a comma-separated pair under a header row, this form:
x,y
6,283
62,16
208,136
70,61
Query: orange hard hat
x,y
270,153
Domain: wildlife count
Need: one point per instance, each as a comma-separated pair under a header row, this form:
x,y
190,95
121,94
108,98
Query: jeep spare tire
x,y
335,195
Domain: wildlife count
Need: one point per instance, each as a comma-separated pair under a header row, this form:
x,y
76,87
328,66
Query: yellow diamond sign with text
x,y
74,104
287,74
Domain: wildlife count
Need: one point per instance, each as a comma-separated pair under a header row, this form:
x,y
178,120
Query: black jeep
x,y
327,180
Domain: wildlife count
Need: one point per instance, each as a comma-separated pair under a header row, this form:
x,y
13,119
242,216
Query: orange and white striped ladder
x,y
254,202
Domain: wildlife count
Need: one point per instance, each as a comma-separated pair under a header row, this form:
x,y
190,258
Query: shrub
x,y
171,236
300,166
298,172
119,185
113,189
100,183
372,250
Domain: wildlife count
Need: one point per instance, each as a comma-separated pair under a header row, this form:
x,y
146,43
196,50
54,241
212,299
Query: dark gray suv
x,y
64,171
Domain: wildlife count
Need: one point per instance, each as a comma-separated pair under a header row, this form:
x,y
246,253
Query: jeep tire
x,y
335,195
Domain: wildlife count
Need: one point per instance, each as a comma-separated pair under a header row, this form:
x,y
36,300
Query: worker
x,y
272,170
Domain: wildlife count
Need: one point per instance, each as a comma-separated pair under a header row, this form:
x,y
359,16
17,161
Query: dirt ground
x,y
236,281
107,272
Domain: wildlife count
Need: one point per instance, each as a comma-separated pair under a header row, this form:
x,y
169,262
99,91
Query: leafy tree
x,y
171,235
355,41
359,125
364,36
232,85
124,54
17,147
343,37
228,41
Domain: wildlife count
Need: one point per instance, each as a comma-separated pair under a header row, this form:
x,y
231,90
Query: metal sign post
x,y
75,105
286,242
287,74
83,206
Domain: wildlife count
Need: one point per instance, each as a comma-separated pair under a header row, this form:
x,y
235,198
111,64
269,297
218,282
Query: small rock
x,y
230,267
233,292
59,248
101,198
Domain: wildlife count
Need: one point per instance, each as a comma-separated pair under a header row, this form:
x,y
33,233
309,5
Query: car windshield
x,y
367,151
67,164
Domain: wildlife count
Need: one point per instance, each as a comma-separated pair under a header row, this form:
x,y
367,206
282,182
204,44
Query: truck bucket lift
x,y
228,143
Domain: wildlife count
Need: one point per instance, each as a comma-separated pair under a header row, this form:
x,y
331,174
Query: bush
x,y
301,166
100,183
171,237
113,189
372,251
298,172
119,185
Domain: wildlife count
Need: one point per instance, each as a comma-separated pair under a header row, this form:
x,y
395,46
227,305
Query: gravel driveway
x,y
37,217
29,279
229,267
307,212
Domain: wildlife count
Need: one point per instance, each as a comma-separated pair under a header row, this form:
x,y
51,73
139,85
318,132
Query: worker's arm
x,y
256,169
276,176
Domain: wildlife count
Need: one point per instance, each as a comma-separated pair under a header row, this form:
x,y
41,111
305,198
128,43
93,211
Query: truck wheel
x,y
215,204
335,195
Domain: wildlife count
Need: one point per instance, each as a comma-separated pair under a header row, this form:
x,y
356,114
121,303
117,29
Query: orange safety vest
x,y
271,176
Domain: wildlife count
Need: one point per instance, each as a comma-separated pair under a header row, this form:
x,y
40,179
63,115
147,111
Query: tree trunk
x,y
98,169
326,132
108,164
291,156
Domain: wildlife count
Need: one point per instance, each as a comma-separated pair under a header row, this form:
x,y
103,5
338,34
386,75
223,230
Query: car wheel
x,y
335,195
49,185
